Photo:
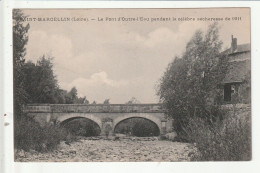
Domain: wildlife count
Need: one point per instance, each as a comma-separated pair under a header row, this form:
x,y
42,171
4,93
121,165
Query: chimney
x,y
233,44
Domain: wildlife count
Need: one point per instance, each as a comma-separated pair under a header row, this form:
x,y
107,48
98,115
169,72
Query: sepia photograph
x,y
132,85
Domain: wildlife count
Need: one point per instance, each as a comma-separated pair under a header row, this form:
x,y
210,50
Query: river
x,y
110,150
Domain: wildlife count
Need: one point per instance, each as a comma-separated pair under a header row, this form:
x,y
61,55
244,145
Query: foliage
x,y
190,92
133,100
227,140
42,85
71,96
29,135
107,102
20,39
40,82
190,84
33,83
81,100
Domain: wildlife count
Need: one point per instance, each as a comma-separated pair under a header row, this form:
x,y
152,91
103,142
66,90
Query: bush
x,y
227,140
29,135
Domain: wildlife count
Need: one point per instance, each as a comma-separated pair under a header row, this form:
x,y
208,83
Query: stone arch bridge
x,y
101,114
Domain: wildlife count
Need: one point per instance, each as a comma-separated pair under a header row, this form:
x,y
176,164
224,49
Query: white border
x,y
165,167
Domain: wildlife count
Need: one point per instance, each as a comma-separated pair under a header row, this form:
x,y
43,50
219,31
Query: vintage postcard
x,y
132,85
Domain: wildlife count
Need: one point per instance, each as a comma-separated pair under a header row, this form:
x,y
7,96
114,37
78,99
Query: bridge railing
x,y
95,108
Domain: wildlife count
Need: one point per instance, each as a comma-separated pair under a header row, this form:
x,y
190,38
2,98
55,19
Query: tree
x,y
41,83
61,96
20,39
189,85
81,100
106,102
86,101
71,96
133,100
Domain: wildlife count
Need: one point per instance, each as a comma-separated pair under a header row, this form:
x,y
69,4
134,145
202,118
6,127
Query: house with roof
x,y
236,84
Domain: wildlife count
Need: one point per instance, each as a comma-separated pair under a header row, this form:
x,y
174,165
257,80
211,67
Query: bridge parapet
x,y
95,108
36,108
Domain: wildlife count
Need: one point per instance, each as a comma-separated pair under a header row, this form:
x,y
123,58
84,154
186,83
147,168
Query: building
x,y
237,81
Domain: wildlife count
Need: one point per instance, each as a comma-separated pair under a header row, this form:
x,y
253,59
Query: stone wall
x,y
240,110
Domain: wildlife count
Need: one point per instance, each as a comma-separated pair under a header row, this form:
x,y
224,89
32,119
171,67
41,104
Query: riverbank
x,y
112,150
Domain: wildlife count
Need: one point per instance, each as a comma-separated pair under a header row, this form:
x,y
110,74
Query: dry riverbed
x,y
110,150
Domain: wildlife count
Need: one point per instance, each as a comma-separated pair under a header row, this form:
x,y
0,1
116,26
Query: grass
x,y
226,140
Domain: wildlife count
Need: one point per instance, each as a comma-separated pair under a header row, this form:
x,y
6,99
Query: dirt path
x,y
125,150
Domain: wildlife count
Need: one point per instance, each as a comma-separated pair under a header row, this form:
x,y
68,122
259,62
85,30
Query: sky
x,y
118,60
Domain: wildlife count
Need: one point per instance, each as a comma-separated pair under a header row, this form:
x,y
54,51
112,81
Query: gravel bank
x,y
121,150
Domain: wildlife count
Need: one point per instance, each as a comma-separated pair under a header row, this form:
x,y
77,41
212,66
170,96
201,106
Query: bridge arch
x,y
152,118
67,117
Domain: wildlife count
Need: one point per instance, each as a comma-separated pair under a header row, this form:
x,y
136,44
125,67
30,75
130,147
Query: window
x,y
227,92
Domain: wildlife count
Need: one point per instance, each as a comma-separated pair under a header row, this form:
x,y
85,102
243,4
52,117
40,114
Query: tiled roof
x,y
237,71
240,48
